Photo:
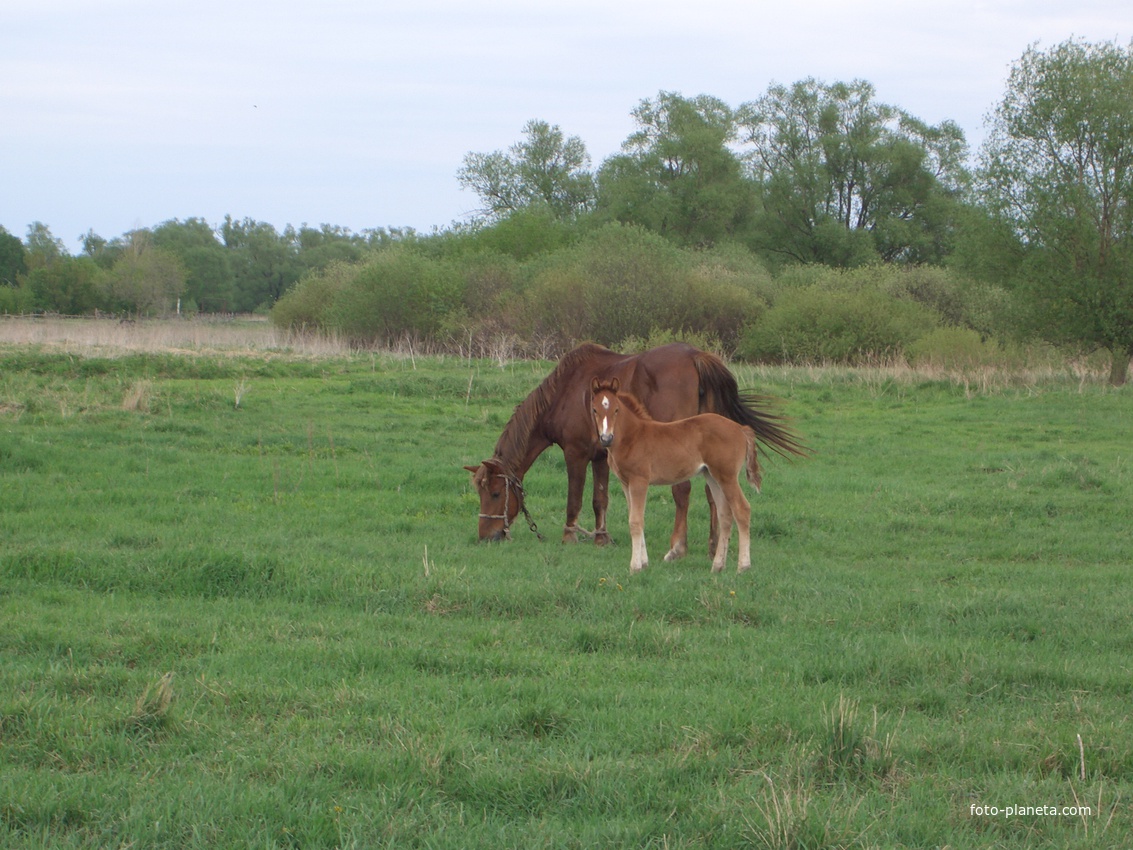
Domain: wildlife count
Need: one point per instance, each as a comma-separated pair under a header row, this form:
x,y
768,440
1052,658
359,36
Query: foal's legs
x,y
724,516
635,496
731,505
741,511
713,522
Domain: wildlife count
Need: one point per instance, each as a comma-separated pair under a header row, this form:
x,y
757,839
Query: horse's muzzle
x,y
606,440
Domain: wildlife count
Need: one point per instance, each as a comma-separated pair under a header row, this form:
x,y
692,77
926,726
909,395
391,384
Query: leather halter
x,y
511,481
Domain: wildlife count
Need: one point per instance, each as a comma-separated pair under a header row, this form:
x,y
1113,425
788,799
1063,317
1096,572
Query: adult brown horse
x,y
672,382
642,451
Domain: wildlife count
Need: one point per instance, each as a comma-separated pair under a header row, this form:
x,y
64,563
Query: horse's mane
x,y
512,445
633,403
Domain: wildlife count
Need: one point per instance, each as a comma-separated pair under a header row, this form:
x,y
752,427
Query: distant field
x,y
112,337
243,605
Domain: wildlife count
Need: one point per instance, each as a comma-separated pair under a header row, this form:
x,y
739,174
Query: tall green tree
x,y
58,282
545,168
102,251
317,249
677,174
145,279
263,263
68,285
209,280
13,262
43,249
847,180
1058,166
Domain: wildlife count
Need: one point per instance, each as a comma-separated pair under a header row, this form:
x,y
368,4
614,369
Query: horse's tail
x,y
754,473
720,393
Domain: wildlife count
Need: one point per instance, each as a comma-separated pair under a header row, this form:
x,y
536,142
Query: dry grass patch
x,y
109,337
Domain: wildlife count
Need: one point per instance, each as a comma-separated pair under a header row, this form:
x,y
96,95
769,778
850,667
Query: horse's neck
x,y
521,442
532,429
635,412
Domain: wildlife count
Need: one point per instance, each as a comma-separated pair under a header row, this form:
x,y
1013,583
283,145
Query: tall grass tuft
x,y
151,712
137,396
854,751
792,815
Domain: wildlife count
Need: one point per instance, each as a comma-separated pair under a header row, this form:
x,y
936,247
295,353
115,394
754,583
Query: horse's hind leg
x,y
678,543
724,516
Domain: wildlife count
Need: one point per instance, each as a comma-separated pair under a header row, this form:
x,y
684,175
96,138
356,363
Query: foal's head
x,y
605,407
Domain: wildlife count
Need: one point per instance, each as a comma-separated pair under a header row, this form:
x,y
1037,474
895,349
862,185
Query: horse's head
x,y
604,407
501,499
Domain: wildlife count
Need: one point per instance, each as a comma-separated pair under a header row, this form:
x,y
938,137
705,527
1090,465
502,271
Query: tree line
x,y
792,225
241,266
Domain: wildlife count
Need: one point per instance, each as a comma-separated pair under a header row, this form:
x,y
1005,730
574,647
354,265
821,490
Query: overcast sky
x,y
120,114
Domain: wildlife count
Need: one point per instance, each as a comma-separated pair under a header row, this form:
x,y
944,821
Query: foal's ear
x,y
615,384
595,384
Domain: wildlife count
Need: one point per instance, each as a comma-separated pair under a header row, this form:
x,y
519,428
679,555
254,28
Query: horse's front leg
x,y
601,468
635,496
576,484
678,542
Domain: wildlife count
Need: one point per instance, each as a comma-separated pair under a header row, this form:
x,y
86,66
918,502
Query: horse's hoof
x,y
638,568
717,568
743,568
602,538
674,554
570,537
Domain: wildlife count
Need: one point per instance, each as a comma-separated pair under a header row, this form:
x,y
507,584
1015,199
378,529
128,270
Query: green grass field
x,y
242,604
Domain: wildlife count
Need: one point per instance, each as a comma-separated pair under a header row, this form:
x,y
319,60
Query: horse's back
x,y
665,380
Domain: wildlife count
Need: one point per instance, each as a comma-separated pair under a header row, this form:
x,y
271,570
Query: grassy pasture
x,y
241,604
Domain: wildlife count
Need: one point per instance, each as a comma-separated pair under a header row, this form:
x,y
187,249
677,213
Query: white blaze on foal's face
x,y
603,411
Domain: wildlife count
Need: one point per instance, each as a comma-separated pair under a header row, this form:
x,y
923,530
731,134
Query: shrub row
x,y
622,285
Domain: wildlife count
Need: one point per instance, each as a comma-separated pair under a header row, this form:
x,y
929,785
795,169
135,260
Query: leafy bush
x,y
396,294
956,300
559,308
16,300
620,282
70,286
307,304
664,336
715,307
961,349
524,234
935,288
819,325
490,282
993,311
726,290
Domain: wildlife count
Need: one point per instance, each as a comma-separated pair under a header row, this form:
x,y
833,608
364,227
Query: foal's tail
x,y
754,473
720,393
